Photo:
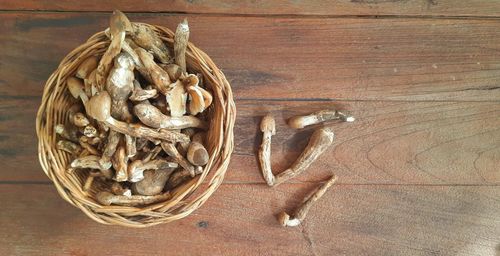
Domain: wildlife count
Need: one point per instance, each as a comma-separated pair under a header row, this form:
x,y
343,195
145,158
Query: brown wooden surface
x,y
486,8
419,171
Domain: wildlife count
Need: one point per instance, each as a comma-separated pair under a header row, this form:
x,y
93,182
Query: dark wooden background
x,y
419,171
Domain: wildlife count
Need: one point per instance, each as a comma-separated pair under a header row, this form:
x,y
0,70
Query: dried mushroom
x,y
133,102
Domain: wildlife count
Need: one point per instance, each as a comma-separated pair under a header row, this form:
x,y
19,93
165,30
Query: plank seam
x,y
291,16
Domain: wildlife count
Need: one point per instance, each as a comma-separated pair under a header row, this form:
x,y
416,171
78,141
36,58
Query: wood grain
x,y
418,171
279,7
289,58
239,220
390,143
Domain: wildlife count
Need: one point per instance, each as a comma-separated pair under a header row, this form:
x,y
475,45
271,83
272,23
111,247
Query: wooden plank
x,y
280,7
390,143
354,59
240,220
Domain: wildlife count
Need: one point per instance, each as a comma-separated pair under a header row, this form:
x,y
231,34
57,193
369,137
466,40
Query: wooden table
x,y
419,171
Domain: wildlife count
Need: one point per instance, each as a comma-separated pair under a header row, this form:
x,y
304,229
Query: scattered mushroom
x,y
299,215
299,122
268,129
320,140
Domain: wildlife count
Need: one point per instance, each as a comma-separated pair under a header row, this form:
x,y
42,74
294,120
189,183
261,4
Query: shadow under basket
x,y
184,199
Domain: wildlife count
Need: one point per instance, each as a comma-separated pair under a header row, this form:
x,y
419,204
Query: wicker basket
x,y
186,198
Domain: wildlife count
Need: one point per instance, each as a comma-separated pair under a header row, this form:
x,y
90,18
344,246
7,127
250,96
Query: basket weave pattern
x,y
185,198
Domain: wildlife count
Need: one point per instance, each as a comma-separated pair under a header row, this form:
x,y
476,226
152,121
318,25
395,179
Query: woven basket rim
x,y
185,199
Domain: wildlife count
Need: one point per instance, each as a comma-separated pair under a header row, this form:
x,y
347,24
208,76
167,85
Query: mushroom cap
x,y
207,97
176,99
197,104
99,106
119,22
197,154
299,122
75,86
124,60
105,197
283,218
183,26
148,114
268,125
87,66
135,174
191,80
286,221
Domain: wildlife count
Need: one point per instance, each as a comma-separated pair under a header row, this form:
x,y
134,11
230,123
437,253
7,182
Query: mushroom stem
x,y
139,94
320,140
180,44
299,122
153,182
268,129
90,161
120,163
87,66
146,38
197,154
80,120
130,144
69,133
300,214
110,148
180,176
172,151
99,109
69,147
136,168
159,76
107,198
153,117
118,26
